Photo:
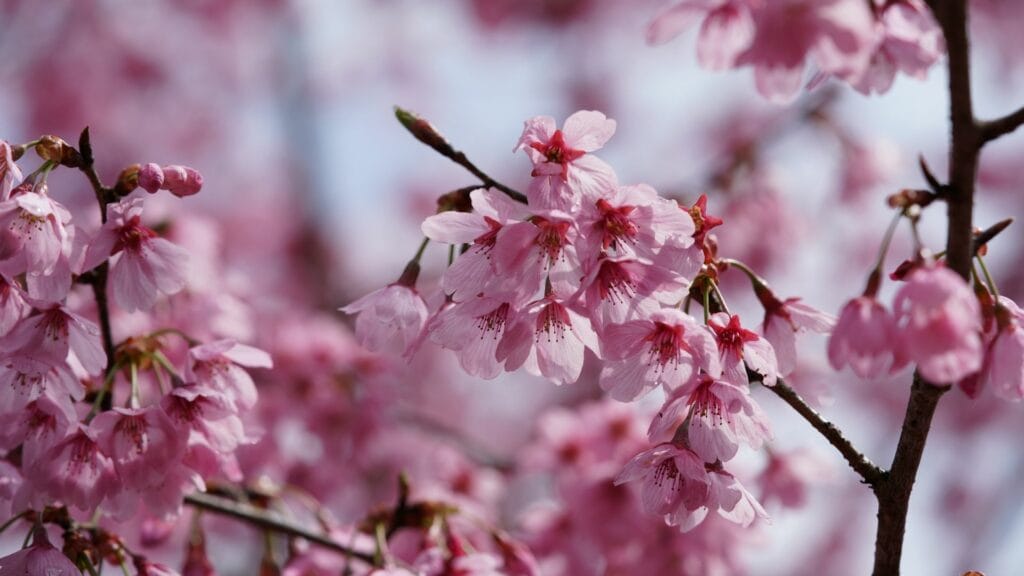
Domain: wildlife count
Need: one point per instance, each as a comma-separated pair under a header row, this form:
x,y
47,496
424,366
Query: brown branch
x,y
270,521
426,133
894,491
869,472
986,235
98,277
989,130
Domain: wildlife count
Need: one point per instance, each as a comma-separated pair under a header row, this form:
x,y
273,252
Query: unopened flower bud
x,y
127,180
151,177
424,132
182,181
51,148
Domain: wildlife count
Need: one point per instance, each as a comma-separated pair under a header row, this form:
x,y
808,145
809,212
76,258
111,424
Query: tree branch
x,y
270,521
989,130
894,491
98,279
869,472
426,133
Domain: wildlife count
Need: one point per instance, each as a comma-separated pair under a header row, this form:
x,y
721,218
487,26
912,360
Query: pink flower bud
x,y
151,177
182,181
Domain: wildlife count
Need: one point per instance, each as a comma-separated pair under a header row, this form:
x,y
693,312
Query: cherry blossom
x,y
39,558
740,349
143,444
673,480
549,339
784,320
473,271
76,471
666,348
910,42
219,366
10,174
563,169
718,417
32,232
939,324
866,339
142,265
50,333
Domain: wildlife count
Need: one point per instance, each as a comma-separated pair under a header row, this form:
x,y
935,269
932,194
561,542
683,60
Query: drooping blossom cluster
x,y
100,425
951,332
589,264
584,449
864,43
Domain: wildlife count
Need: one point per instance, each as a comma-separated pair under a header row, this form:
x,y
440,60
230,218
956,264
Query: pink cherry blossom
x,y
632,220
395,310
563,169
720,417
666,348
32,232
76,472
740,349
50,333
10,174
617,289
726,32
549,339
474,329
528,253
784,320
1004,363
39,558
37,427
13,306
866,339
23,379
220,365
910,42
836,34
143,444
939,324
474,270
673,481
213,428
55,285
142,265
730,499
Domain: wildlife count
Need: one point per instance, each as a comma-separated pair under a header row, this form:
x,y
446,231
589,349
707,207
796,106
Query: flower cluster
x,y
952,333
87,424
589,264
864,43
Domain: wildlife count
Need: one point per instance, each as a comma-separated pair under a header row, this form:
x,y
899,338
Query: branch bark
x,y
270,521
894,491
992,129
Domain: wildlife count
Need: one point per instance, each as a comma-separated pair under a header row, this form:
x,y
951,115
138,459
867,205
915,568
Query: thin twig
x,y
98,278
426,133
271,521
869,472
986,235
989,130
